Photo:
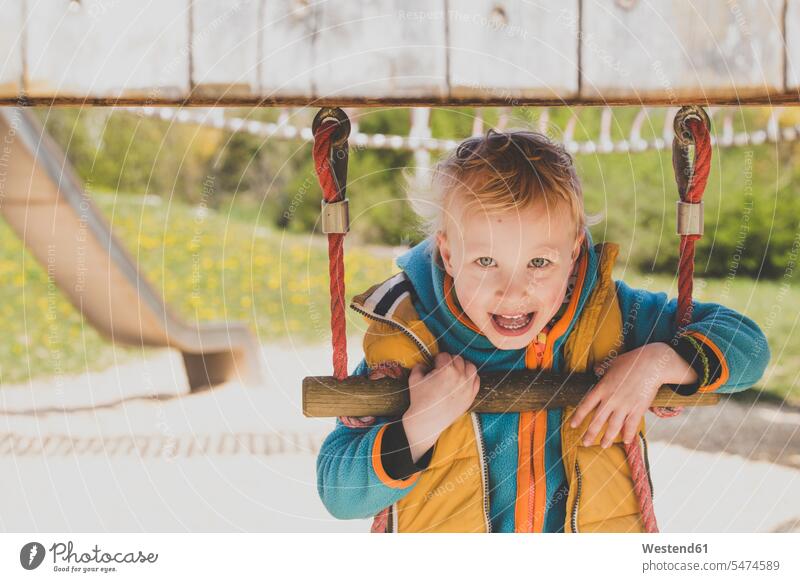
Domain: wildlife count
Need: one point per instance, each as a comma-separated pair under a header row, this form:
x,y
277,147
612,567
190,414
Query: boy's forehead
x,y
535,226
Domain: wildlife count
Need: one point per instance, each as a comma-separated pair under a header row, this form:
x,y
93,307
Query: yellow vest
x,y
452,494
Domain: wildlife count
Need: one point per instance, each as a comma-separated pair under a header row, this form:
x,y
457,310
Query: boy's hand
x,y
627,388
438,398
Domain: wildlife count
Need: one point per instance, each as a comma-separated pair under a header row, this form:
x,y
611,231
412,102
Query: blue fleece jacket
x,y
346,480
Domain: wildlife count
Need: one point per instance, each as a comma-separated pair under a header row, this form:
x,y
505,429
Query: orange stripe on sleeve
x,y
725,373
381,472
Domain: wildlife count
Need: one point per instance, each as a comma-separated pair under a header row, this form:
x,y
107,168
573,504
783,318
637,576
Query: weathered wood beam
x,y
515,391
377,53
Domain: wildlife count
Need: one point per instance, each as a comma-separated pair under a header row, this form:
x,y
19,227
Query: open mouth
x,y
511,325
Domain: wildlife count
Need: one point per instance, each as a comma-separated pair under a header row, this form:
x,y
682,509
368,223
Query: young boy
x,y
509,278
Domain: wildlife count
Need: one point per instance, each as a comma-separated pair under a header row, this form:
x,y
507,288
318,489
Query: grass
x,y
208,268
213,266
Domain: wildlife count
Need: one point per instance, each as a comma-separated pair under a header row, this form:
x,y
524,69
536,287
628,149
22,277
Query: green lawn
x,y
216,268
207,268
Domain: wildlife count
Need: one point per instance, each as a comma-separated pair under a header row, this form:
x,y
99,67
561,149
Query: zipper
x,y
539,345
476,423
647,465
423,348
541,340
574,518
390,528
484,470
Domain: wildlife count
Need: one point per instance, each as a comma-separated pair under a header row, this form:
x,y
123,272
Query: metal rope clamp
x,y
689,214
683,145
336,217
689,218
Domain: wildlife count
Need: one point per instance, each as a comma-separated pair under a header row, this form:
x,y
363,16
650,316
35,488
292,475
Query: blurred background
x,y
219,208
207,199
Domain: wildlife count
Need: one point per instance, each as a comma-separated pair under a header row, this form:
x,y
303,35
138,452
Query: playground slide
x,y
43,201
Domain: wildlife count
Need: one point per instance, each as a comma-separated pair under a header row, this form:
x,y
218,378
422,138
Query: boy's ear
x,y
444,251
578,244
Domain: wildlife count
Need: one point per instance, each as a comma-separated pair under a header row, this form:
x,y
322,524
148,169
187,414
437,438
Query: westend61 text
x,y
671,549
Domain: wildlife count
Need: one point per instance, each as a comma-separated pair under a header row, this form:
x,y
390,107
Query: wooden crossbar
x,y
517,391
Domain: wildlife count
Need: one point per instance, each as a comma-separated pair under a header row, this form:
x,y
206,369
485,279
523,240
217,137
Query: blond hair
x,y
502,171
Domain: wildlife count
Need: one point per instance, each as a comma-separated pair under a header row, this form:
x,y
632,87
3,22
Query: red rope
x,y
322,152
323,139
694,194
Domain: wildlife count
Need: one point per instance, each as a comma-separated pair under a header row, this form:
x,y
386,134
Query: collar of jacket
x,y
454,336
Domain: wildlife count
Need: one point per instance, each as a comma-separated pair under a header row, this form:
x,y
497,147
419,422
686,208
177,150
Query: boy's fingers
x,y
441,359
470,369
458,364
600,416
417,373
585,407
631,424
612,429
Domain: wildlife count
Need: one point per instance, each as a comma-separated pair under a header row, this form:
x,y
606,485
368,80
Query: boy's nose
x,y
514,290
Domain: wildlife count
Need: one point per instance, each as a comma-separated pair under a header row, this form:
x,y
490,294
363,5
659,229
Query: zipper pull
x,y
539,344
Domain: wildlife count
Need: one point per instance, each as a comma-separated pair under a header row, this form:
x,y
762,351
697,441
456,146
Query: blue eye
x,y
543,262
485,261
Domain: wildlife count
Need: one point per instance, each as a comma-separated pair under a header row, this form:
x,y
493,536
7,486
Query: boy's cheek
x,y
474,304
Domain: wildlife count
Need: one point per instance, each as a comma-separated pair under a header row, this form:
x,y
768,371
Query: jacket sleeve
x,y
353,479
727,349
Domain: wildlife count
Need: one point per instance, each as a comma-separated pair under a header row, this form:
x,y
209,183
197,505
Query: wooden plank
x,y
11,33
225,47
108,49
514,49
793,44
370,48
286,54
681,48
516,391
364,53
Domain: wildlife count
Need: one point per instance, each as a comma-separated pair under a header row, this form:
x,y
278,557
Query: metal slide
x,y
43,201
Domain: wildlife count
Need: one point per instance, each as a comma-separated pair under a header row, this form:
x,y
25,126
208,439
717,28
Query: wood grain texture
x,y
11,36
517,391
679,48
513,49
373,53
371,49
286,53
792,20
225,47
108,49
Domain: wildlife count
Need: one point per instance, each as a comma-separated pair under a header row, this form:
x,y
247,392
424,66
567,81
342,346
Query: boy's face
x,y
510,270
